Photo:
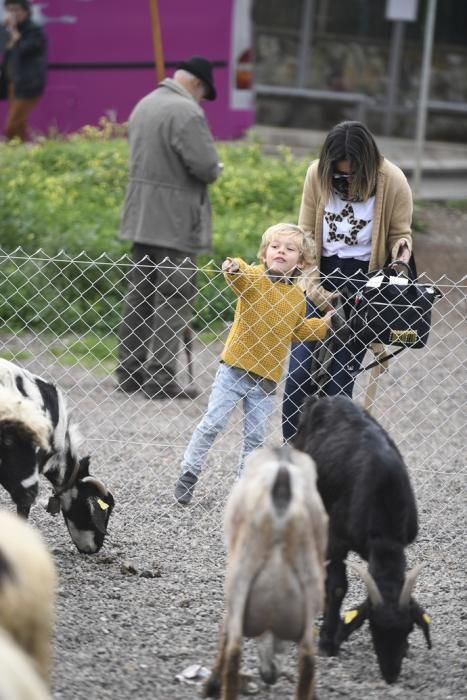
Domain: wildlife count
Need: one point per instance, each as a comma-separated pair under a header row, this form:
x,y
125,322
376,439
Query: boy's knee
x,y
212,427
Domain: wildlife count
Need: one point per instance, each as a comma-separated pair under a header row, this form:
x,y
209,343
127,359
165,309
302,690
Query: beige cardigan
x,y
391,223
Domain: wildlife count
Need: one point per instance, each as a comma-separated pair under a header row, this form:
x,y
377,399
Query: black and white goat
x,y
276,532
38,436
366,490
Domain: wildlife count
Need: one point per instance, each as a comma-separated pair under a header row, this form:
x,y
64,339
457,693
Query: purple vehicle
x,y
101,59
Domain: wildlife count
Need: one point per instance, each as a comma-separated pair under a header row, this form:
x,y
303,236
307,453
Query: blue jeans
x,y
231,385
346,362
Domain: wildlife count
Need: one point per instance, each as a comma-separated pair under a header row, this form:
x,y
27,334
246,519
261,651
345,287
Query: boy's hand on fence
x,y
230,266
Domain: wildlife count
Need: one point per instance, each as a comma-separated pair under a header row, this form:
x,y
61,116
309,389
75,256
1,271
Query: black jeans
x,y
158,305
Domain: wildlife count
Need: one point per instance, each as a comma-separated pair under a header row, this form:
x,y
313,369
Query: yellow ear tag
x,y
426,618
102,504
349,616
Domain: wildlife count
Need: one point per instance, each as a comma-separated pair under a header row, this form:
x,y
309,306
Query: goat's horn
x,y
409,584
372,588
98,484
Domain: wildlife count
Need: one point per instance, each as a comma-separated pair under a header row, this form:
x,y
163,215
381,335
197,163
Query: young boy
x,y
269,315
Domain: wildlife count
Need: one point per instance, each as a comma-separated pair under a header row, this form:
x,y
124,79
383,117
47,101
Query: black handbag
x,y
393,309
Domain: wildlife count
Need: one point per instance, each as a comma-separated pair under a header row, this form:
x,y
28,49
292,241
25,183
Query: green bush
x,y
64,197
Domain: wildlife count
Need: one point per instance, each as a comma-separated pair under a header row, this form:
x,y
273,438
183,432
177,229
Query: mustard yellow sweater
x,y
268,317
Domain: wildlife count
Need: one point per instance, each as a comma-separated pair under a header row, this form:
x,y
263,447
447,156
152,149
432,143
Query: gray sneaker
x,y
184,487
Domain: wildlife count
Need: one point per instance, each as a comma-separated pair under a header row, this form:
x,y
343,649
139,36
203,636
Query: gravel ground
x,y
125,635
132,617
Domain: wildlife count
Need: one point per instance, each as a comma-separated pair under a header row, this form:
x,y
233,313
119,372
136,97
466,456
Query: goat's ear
x,y
106,501
422,619
99,519
101,510
351,620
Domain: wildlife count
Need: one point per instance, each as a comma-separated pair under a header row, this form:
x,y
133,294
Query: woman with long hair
x,y
357,209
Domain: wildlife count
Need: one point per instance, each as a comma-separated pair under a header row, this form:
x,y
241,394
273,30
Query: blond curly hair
x,y
285,230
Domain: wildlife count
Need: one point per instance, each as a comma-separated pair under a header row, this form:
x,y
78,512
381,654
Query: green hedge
x,y
66,195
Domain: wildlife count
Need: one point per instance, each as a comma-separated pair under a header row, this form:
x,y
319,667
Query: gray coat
x,y
172,160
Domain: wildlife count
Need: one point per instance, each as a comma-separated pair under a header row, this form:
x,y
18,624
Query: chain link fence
x,y
60,318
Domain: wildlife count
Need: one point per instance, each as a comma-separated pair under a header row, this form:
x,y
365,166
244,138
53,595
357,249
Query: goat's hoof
x,y
211,689
269,675
327,649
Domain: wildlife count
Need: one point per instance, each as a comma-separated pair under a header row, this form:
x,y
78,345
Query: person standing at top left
x,y
167,217
24,70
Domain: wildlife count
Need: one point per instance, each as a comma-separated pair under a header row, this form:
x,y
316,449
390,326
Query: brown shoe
x,y
171,390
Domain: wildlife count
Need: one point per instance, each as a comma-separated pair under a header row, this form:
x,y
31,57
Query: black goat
x,y
366,490
38,436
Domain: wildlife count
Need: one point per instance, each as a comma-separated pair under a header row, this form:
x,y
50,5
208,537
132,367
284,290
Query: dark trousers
x,y
19,109
336,274
158,305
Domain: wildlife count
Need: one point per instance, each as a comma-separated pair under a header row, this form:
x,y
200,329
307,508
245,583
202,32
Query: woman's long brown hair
x,y
352,141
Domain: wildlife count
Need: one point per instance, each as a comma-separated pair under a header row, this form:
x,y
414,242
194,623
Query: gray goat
x,y
27,590
18,677
276,533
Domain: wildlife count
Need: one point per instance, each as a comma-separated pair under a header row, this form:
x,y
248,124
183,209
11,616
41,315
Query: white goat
x,y
276,533
18,678
27,589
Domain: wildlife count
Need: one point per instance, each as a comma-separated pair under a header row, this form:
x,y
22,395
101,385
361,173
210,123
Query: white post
x,y
423,98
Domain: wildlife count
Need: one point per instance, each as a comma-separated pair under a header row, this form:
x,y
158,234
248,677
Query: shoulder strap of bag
x,y
411,266
382,359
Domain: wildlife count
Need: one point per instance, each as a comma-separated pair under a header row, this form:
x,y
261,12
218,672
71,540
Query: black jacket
x,y
26,63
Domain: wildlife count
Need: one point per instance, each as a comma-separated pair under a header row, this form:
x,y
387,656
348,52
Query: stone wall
x,y
358,64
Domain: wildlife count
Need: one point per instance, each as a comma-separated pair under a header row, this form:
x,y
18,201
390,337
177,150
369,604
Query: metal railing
x,y
361,101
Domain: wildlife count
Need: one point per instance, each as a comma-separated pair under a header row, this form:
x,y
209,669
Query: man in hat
x,y
167,217
23,75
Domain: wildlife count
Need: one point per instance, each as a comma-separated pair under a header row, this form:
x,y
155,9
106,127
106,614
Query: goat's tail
x,y
282,489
